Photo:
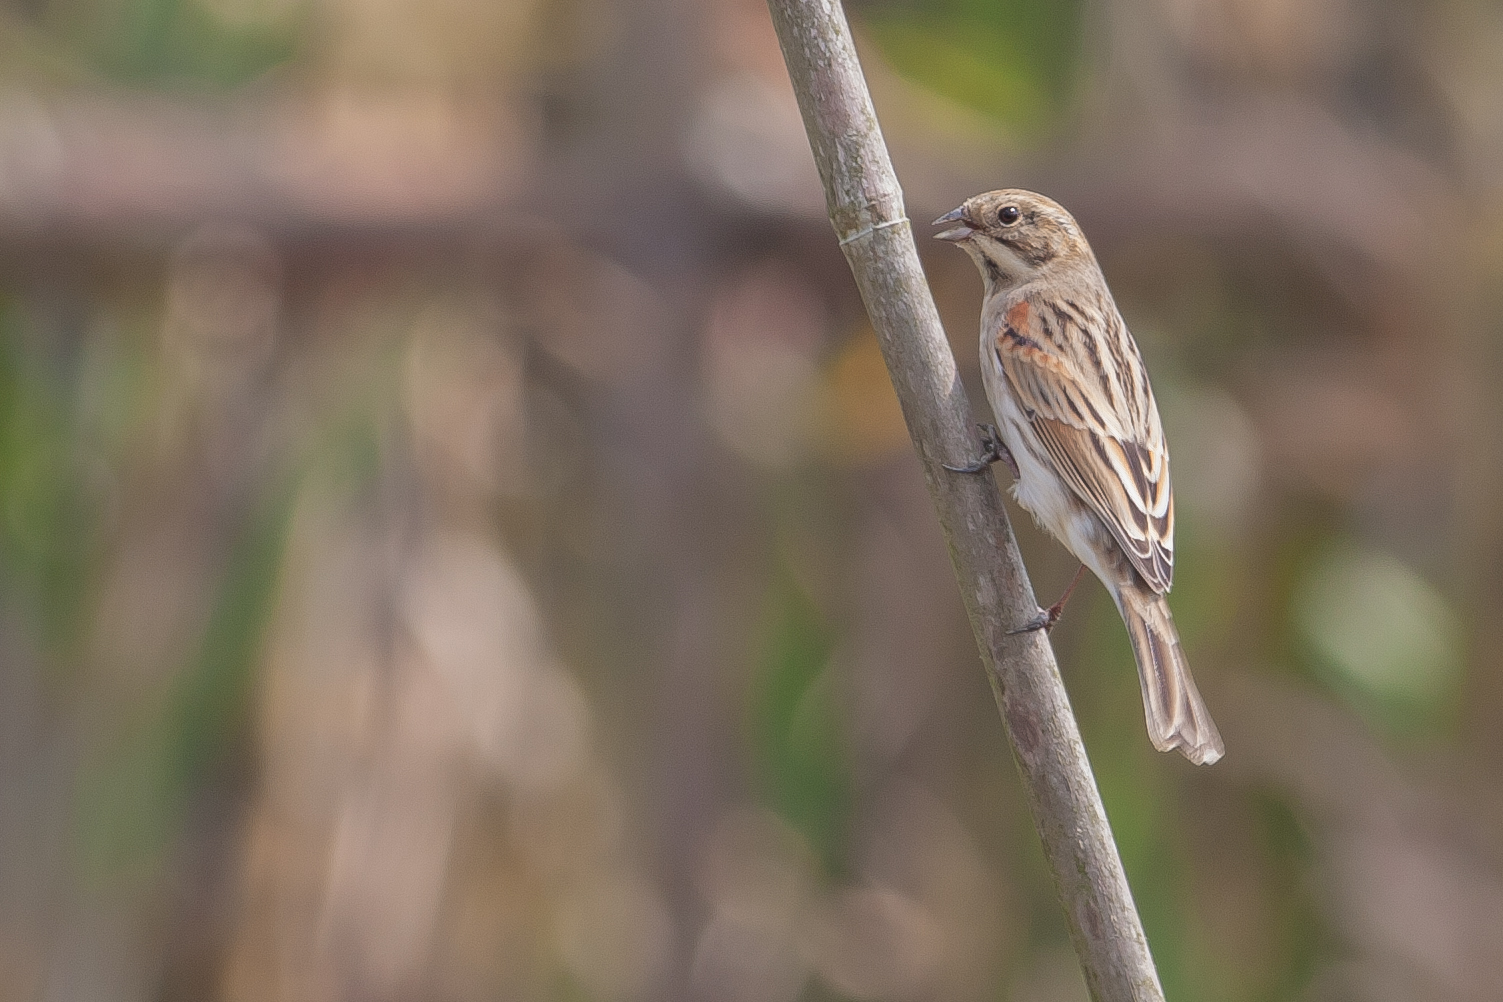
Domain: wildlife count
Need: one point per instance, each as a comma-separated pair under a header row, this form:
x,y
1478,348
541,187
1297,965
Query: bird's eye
x,y
1008,214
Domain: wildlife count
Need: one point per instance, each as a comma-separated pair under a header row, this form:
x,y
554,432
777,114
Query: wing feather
x,y
1100,427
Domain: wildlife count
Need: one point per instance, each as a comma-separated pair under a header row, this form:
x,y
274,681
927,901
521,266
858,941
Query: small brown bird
x,y
1078,426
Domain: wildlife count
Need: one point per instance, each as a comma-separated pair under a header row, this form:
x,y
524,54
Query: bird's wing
x,y
1087,397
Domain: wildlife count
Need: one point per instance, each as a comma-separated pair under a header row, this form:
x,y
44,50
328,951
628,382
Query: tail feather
x,y
1177,717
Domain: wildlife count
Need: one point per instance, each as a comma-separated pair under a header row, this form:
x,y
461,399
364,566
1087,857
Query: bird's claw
x,y
992,450
1046,618
1045,621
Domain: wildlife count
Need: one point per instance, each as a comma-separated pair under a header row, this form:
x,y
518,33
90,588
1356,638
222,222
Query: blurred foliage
x,y
47,525
1015,60
177,43
1302,938
1381,635
799,749
131,803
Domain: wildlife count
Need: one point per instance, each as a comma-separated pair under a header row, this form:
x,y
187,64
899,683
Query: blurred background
x,y
458,541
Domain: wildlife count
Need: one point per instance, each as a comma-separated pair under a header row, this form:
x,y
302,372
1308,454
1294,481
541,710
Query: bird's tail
x,y
1177,717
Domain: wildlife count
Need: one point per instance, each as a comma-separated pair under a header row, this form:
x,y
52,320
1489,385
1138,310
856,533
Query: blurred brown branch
x,y
78,170
89,167
866,208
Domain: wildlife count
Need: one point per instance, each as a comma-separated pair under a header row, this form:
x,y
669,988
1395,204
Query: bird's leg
x,y
993,449
1046,618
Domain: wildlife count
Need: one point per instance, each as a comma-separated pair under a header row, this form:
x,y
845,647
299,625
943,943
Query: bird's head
x,y
1014,234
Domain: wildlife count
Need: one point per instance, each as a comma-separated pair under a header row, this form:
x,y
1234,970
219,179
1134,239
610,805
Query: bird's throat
x,y
1000,266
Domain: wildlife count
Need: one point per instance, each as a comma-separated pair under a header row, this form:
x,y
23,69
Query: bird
x,y
1077,424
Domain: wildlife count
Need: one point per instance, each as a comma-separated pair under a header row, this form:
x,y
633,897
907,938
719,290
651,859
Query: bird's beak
x,y
955,233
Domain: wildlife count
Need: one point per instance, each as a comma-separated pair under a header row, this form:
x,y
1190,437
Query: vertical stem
x,y
866,208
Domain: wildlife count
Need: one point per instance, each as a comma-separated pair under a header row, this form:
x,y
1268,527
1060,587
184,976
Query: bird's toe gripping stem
x,y
992,450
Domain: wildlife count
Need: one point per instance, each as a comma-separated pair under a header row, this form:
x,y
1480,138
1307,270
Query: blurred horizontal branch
x,y
90,168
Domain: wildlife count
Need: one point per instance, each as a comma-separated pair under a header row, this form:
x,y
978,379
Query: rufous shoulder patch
x,y
1017,317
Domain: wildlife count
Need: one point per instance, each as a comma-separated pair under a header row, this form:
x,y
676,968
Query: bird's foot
x,y
1045,621
992,450
1046,618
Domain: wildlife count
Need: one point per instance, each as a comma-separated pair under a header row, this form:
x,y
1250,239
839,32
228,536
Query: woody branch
x,y
866,209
